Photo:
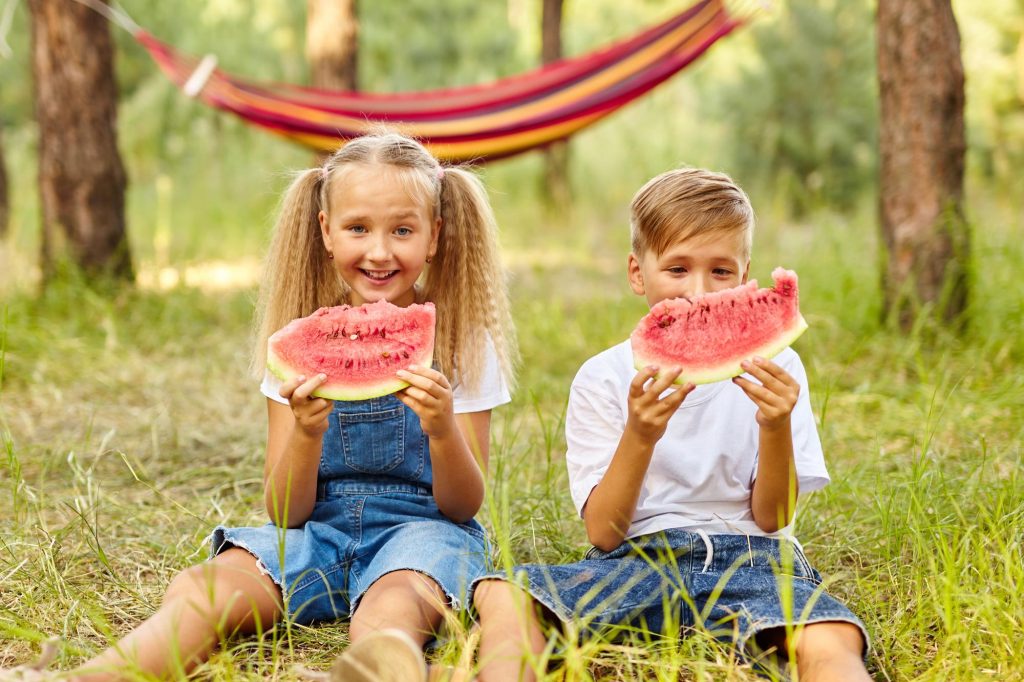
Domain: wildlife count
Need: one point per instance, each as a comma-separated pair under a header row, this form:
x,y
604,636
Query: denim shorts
x,y
732,586
355,535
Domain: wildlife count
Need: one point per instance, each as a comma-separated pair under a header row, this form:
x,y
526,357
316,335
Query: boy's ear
x,y
746,272
635,275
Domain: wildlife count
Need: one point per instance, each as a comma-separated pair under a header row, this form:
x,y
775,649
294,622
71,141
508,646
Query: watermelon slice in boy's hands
x,y
359,348
709,335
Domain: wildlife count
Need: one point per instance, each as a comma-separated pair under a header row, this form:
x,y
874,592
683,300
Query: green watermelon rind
x,y
285,372
732,368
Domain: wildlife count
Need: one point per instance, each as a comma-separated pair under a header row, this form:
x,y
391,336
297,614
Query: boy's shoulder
x,y
610,368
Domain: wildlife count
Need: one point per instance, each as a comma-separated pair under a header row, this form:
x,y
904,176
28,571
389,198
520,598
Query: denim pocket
x,y
373,442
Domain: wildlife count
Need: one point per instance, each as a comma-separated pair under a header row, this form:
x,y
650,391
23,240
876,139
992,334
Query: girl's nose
x,y
379,250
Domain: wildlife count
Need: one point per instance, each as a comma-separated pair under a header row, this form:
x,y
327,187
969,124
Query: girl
x,y
371,502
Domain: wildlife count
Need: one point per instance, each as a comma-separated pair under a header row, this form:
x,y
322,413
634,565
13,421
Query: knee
x,y
829,640
496,597
186,585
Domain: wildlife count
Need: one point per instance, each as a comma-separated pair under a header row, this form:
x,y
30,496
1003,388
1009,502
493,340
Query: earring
x,y
429,258
330,255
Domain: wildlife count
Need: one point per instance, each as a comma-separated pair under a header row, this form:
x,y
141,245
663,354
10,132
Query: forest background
x,y
130,426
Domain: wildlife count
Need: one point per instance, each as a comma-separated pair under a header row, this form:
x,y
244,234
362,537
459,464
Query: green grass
x,y
130,428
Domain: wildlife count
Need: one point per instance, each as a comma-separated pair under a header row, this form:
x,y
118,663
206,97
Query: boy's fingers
x,y
775,371
660,384
756,392
759,372
636,386
676,398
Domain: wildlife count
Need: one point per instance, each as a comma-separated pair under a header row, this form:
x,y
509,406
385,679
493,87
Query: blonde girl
x,y
371,502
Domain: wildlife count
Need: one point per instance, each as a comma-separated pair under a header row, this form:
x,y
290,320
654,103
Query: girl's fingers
x,y
424,382
418,395
428,373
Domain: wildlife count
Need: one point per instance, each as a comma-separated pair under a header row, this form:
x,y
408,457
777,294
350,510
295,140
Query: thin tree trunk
x,y
332,45
556,157
922,144
81,177
5,206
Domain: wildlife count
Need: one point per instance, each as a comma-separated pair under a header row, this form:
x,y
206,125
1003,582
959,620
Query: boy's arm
x,y
609,509
775,491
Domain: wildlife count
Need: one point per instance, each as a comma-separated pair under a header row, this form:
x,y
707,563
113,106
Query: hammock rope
x,y
478,122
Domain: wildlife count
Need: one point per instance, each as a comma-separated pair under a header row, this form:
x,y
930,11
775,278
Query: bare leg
x,y
510,632
402,600
830,651
203,604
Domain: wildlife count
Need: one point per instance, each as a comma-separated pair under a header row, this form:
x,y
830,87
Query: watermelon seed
x,y
384,354
354,336
348,364
405,354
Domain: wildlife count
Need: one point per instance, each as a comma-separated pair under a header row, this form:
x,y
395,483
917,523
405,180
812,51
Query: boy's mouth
x,y
379,275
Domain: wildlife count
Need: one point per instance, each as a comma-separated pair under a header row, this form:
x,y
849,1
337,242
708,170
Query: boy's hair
x,y
465,279
684,203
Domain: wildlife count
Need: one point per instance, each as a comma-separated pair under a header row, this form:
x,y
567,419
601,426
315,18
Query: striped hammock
x,y
474,123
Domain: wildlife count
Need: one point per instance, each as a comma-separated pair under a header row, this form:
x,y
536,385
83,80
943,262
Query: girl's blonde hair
x,y
464,280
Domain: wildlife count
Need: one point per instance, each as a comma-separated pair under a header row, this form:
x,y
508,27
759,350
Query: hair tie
x,y
440,173
323,174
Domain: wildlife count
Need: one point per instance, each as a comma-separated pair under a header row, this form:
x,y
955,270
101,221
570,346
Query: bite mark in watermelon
x,y
709,335
359,348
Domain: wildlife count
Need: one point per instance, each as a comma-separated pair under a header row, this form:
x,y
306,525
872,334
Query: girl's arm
x,y
294,441
608,511
458,445
773,498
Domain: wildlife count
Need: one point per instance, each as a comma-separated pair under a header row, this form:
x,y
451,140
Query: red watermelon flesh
x,y
359,348
709,335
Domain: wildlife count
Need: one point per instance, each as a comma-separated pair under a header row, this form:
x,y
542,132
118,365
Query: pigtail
x,y
297,276
468,285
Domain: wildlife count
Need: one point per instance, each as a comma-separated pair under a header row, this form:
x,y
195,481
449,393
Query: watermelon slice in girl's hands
x,y
709,335
359,348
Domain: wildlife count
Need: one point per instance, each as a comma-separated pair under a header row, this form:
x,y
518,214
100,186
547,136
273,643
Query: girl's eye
x,y
358,229
403,231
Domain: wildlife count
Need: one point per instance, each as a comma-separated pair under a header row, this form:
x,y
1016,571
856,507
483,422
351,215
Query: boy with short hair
x,y
686,494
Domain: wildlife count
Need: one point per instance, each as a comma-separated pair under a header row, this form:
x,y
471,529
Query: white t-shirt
x,y
702,471
491,391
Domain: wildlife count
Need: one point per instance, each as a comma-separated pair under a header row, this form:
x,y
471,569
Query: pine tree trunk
x,y
332,45
81,177
5,206
922,145
557,191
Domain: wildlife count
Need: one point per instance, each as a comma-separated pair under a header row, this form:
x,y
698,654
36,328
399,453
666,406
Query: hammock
x,y
480,122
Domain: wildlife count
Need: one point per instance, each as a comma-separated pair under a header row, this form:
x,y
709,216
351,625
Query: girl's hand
x,y
648,413
310,412
429,395
775,396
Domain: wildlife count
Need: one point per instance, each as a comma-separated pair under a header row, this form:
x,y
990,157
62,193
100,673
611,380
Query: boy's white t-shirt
x,y
702,471
491,392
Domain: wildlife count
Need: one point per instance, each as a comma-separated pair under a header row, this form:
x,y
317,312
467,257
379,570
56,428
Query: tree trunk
x,y
5,206
332,45
922,144
557,191
81,177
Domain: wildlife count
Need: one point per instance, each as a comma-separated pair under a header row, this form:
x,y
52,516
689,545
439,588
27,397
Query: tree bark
x,y
557,191
332,46
5,206
922,145
81,177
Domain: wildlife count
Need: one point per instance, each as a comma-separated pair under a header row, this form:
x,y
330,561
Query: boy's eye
x,y
677,269
723,272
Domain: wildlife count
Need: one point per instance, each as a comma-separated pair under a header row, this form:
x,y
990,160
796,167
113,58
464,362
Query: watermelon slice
x,y
709,335
359,348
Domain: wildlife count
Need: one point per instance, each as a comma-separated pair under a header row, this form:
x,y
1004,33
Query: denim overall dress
x,y
374,514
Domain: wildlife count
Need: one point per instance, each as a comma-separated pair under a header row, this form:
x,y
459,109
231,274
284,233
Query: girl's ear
x,y
635,275
432,249
325,228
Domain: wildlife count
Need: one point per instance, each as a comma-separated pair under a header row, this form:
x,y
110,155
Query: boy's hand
x,y
649,414
429,395
775,396
310,412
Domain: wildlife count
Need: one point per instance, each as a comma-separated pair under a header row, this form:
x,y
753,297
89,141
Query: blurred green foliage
x,y
787,105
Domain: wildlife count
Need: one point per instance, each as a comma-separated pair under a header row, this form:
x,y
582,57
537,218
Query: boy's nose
x,y
698,286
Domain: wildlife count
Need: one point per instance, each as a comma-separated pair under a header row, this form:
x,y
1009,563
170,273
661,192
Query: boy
x,y
687,491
